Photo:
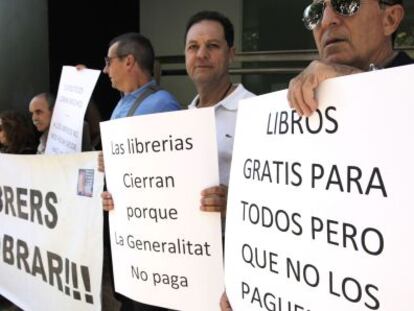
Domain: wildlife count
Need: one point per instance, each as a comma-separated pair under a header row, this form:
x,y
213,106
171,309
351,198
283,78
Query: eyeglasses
x,y
108,59
313,13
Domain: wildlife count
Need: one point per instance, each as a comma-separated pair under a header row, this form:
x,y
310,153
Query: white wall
x,y
163,22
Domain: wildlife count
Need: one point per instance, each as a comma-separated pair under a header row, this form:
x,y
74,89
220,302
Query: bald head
x,y
41,107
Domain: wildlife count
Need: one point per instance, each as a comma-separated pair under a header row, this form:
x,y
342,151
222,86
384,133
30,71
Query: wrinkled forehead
x,y
39,103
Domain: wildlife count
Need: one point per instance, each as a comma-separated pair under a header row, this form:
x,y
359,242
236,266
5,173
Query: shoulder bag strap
x,y
147,92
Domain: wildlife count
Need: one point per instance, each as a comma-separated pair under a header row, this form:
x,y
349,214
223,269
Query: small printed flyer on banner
x,y
320,210
67,124
165,251
51,240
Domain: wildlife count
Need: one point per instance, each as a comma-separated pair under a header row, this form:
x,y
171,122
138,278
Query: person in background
x,y
41,108
17,135
92,118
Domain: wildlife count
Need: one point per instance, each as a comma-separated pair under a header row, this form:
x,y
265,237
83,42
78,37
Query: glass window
x,y
405,37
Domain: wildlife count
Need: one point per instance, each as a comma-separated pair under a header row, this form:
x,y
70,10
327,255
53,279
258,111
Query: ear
x,y
130,61
393,16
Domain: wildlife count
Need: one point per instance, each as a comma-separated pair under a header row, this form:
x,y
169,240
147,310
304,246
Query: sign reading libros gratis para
x,y
320,210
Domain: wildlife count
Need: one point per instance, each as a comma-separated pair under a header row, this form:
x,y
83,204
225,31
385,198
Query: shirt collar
x,y
227,102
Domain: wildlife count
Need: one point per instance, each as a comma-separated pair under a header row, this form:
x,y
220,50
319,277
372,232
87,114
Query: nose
x,y
202,52
329,16
105,69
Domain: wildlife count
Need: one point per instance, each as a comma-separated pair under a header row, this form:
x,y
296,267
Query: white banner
x,y
66,127
165,251
320,213
51,231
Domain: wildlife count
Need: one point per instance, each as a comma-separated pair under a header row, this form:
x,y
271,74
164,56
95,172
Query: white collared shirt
x,y
226,113
41,148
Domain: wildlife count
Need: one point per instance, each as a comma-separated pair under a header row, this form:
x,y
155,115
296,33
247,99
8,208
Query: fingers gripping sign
x,y
302,88
214,199
107,201
225,303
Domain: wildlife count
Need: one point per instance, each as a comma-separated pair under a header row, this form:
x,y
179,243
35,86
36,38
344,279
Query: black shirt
x,y
401,59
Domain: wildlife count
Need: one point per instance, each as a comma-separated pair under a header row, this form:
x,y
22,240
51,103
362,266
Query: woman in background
x,y
17,135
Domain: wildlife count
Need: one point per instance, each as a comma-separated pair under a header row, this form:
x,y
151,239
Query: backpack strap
x,y
147,92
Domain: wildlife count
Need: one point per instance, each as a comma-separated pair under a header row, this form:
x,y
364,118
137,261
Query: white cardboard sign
x,y
51,231
66,127
320,213
165,251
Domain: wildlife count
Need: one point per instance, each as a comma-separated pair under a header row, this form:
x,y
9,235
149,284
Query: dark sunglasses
x,y
313,13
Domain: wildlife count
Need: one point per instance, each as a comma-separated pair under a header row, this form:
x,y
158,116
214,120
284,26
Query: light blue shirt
x,y
160,101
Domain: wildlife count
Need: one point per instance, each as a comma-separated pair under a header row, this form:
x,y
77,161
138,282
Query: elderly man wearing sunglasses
x,y
351,36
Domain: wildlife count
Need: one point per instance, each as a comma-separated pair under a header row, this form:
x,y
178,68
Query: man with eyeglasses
x,y
352,36
129,65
